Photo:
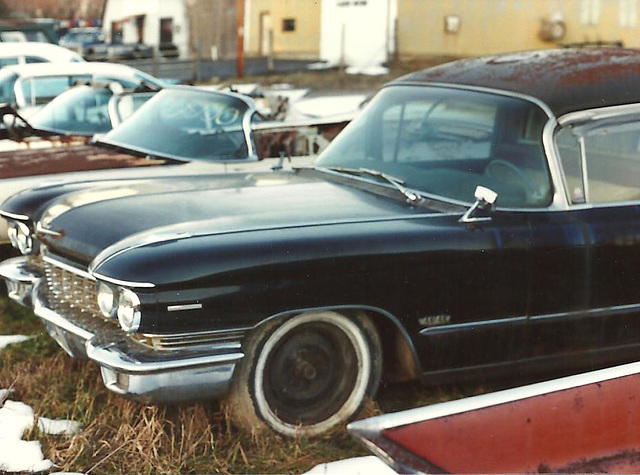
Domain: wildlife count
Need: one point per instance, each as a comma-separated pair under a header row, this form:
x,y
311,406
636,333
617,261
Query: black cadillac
x,y
479,217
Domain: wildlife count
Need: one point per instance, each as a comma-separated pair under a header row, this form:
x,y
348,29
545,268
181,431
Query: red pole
x,y
240,38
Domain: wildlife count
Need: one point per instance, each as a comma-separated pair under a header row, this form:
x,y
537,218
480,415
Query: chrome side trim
x,y
599,113
67,267
19,217
191,306
470,325
41,230
123,283
593,312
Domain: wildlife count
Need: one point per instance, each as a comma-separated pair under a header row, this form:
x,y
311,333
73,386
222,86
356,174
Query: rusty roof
x,y
567,80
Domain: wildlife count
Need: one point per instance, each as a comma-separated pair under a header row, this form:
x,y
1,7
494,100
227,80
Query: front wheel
x,y
305,375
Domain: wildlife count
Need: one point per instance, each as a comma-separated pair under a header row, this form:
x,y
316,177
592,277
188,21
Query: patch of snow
x,y
17,455
6,340
58,427
368,71
4,394
326,106
369,465
320,66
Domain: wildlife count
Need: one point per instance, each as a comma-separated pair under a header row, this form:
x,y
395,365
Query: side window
x,y
612,157
41,90
613,164
8,61
7,84
35,59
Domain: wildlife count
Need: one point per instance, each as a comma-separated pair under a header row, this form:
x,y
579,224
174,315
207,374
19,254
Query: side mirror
x,y
485,199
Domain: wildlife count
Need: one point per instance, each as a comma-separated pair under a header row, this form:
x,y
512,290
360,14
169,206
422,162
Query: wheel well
x,y
400,361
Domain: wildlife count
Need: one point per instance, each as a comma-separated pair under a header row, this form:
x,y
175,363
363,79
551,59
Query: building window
x,y
590,12
289,24
628,13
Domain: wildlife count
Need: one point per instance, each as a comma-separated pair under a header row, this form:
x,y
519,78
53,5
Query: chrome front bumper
x,y
20,275
128,367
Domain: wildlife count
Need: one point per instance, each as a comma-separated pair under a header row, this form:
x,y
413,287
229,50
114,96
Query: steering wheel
x,y
533,192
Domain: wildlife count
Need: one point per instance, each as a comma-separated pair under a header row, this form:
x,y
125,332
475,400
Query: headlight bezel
x,y
107,309
129,310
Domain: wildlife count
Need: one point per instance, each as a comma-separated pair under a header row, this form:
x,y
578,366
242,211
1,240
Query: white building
x,y
153,22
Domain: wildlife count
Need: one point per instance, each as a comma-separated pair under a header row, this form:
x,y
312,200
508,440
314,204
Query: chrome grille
x,y
70,292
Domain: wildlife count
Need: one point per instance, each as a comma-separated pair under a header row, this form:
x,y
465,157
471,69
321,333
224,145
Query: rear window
x,y
41,90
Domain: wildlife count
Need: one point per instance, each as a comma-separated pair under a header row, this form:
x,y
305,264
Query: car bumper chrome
x,y
130,368
20,275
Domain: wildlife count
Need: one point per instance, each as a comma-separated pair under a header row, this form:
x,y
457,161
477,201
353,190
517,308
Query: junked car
x,y
478,217
58,146
34,52
30,86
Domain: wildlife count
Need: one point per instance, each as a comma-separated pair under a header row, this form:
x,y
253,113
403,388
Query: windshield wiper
x,y
398,183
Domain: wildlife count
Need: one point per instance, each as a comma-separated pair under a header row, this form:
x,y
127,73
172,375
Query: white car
x,y
28,87
12,54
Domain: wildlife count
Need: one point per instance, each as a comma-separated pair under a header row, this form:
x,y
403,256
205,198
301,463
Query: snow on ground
x,y
6,340
17,455
369,465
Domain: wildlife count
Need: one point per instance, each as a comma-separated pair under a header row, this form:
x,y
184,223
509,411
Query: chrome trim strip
x,y
123,283
191,306
599,113
470,325
19,217
593,312
48,232
583,165
435,411
198,334
67,267
115,360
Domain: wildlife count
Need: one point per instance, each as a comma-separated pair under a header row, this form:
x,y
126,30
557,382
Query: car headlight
x,y
20,237
107,300
129,314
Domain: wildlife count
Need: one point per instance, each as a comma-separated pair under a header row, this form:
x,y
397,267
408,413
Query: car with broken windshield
x,y
477,219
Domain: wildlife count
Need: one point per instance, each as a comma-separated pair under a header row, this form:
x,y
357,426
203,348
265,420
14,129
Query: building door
x,y
265,33
166,30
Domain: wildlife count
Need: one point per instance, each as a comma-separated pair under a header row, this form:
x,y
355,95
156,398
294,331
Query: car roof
x,y
54,69
44,50
566,80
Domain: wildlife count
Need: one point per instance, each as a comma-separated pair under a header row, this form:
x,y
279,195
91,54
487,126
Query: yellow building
x,y
477,27
295,27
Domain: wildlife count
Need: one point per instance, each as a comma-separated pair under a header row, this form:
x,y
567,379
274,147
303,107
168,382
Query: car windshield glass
x,y
445,142
82,111
187,125
127,104
7,83
41,90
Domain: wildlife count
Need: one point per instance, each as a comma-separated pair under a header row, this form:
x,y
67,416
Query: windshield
x,y
82,110
125,105
7,91
188,124
445,142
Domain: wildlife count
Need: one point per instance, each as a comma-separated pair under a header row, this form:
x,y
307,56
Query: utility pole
x,y
240,38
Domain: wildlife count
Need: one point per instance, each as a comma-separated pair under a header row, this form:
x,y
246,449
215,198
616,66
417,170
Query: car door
x,y
593,316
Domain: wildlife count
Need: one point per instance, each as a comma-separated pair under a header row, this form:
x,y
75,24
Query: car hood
x,y
107,220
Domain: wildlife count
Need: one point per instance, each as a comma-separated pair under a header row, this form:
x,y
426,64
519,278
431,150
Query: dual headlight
x,y
120,302
20,237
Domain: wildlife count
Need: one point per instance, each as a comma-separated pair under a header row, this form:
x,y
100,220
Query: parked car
x,y
584,423
89,42
17,31
29,87
26,53
117,51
